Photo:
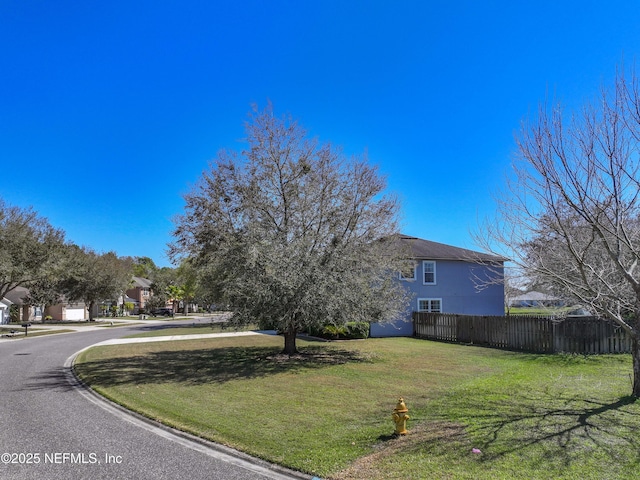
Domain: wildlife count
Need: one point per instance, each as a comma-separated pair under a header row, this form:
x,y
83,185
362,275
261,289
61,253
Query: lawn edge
x,y
77,382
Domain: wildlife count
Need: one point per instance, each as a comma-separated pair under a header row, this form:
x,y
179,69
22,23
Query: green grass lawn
x,y
328,412
33,332
542,311
72,323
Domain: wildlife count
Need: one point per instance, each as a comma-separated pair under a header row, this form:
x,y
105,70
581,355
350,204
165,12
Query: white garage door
x,y
75,313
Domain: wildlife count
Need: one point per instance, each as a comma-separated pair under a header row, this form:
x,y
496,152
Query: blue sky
x,y
109,111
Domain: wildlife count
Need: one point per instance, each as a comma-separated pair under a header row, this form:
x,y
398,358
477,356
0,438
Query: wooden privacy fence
x,y
583,335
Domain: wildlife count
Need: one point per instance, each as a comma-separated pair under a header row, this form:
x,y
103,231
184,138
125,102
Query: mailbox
x,y
26,328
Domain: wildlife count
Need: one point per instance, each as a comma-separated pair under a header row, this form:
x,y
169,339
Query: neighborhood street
x,y
53,428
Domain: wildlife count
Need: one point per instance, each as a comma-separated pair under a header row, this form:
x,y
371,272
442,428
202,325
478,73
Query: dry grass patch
x,y
425,436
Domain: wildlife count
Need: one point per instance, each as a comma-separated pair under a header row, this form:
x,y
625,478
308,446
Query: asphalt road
x,y
52,428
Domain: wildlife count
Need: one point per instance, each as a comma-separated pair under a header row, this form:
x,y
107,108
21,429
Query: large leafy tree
x,y
570,220
30,248
94,277
288,232
144,267
188,283
162,283
46,291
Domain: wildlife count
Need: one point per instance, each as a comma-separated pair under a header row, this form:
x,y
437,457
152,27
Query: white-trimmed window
x,y
429,272
433,305
408,273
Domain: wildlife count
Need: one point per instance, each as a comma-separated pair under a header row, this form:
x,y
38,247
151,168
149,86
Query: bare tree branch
x,y
569,218
289,232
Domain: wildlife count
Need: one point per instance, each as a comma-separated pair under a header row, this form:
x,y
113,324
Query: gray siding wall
x,y
456,287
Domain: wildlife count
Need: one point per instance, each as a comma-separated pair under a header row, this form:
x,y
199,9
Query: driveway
x,y
53,428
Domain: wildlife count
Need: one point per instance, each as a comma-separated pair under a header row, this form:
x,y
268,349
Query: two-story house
x,y
140,292
446,279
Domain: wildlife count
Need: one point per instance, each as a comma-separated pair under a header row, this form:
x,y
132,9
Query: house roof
x,y
141,282
534,296
16,295
428,250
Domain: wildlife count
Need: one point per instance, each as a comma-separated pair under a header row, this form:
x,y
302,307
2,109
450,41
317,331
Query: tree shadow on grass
x,y
214,365
554,428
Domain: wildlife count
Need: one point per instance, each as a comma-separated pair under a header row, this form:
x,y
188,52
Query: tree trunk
x,y
635,355
290,342
91,305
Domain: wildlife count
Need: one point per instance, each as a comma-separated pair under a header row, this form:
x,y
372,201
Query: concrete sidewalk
x,y
98,324
167,338
64,329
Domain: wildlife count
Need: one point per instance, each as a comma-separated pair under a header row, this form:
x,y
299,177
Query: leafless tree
x,y
569,218
288,232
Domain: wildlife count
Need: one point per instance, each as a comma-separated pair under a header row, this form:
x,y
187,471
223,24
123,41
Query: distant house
x,y
446,279
140,292
67,311
26,313
536,299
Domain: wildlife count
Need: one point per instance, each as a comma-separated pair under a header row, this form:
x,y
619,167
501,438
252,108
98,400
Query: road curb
x,y
213,449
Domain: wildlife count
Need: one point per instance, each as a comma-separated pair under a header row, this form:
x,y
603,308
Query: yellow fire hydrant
x,y
400,417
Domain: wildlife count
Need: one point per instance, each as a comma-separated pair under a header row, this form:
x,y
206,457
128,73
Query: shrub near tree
x,y
288,232
348,331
